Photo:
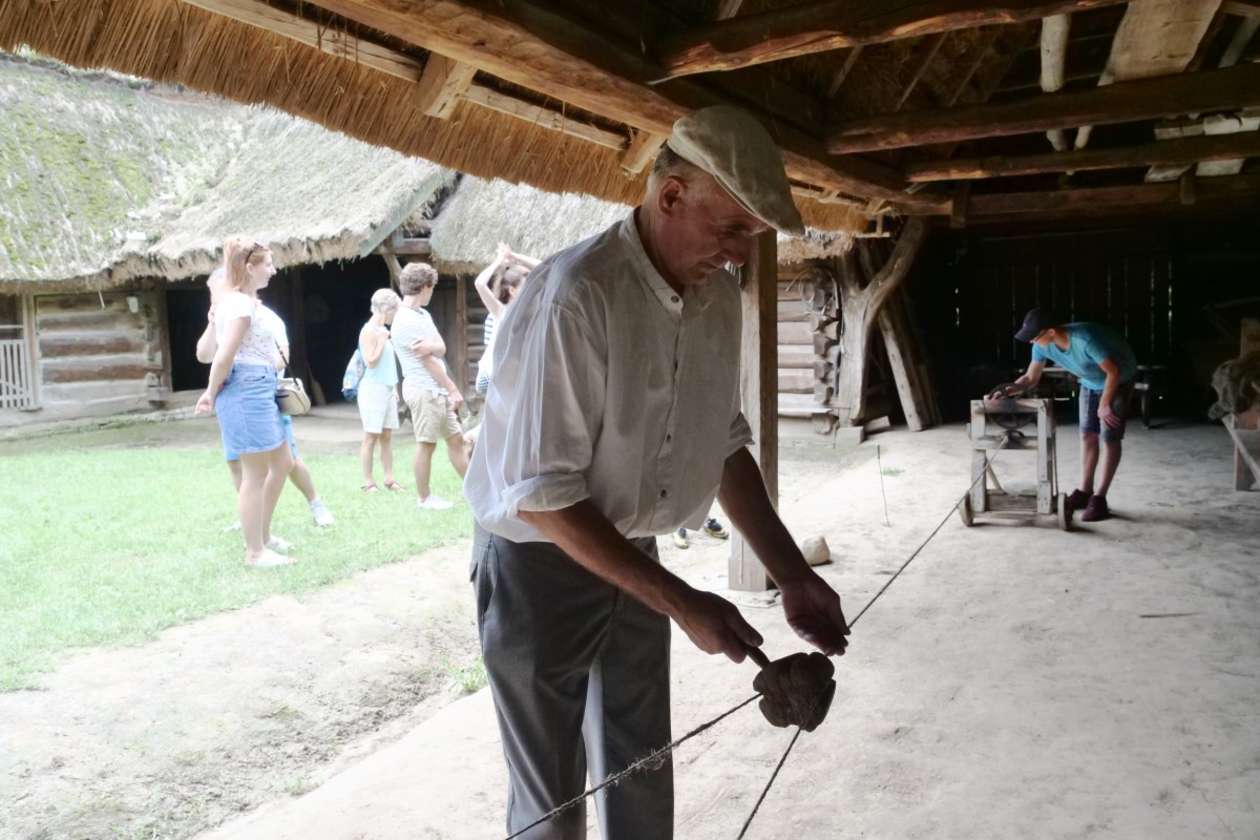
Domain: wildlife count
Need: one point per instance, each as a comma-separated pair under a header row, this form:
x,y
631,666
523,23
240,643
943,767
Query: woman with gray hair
x,y
378,389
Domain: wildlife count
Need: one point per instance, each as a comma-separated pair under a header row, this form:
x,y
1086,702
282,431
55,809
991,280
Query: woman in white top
x,y
378,389
242,392
300,475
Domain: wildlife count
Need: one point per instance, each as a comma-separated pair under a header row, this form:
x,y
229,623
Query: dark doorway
x,y
186,306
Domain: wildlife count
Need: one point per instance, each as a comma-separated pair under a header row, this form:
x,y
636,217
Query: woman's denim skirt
x,y
249,416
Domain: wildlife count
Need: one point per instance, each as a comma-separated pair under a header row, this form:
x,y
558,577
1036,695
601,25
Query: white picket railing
x,y
17,388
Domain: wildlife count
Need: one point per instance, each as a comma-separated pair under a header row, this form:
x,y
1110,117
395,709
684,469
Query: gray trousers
x,y
579,672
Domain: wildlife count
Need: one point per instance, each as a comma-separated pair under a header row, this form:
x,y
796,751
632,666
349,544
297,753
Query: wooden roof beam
x,y
1213,90
1185,150
542,49
1240,189
834,24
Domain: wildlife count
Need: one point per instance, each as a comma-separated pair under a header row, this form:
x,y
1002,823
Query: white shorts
x,y
378,407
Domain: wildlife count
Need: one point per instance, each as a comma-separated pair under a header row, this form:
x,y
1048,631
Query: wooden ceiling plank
x,y
1186,150
1213,90
826,25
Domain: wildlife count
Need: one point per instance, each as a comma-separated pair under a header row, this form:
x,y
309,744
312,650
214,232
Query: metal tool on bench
x,y
997,423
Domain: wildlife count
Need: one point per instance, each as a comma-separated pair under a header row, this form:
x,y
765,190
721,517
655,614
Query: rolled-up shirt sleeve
x,y
557,414
740,434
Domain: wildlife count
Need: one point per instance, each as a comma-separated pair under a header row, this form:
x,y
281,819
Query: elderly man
x,y
614,416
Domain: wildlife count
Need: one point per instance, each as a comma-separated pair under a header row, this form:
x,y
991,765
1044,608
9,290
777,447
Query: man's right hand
x,y
715,625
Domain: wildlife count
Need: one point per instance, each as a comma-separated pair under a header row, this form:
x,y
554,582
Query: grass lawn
x,y
109,544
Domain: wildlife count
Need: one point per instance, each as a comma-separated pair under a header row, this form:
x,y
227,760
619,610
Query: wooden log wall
x,y
97,356
448,315
796,345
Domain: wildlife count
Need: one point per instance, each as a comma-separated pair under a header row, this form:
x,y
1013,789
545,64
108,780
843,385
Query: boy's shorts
x,y
1090,423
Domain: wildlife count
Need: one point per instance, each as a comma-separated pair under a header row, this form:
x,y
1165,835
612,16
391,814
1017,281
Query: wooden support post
x,y
759,384
1045,467
859,307
979,459
896,343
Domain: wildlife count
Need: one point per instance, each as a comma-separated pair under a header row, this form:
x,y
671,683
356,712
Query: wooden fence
x,y
17,386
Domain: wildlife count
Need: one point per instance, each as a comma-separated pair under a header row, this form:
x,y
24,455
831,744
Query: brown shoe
x,y
1096,510
1077,499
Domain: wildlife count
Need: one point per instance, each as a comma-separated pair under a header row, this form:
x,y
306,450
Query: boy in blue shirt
x,y
1105,365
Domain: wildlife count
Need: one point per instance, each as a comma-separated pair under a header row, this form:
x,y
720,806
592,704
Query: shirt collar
x,y
694,299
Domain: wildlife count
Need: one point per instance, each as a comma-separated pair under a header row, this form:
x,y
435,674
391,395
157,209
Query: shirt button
x,y
674,298
664,493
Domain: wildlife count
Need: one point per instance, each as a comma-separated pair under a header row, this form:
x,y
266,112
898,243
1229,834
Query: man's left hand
x,y
1107,415
813,610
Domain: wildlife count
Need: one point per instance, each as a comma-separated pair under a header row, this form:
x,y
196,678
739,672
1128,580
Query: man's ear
x,y
671,196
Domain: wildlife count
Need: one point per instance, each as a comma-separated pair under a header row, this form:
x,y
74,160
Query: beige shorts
x,y
432,416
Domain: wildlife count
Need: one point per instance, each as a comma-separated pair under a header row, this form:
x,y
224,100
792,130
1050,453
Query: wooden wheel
x,y
1064,513
964,511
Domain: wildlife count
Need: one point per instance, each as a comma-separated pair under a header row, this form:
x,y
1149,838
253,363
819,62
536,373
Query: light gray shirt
x,y
610,386
412,325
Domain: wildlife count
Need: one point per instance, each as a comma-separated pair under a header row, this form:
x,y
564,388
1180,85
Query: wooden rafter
x,y
834,24
843,73
1213,90
547,117
442,83
934,44
641,151
1184,150
541,48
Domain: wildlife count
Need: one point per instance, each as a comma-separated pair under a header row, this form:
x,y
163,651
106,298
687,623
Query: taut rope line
x,y
882,589
660,752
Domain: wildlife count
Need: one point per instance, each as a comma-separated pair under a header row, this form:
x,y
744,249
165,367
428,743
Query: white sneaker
x,y
434,502
270,560
279,544
323,516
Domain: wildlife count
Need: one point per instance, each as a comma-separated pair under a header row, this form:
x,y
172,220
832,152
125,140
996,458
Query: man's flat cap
x,y
732,146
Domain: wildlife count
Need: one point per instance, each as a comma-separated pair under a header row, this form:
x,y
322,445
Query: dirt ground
x,y
1015,682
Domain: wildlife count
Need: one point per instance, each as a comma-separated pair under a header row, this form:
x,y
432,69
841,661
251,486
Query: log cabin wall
x,y
97,355
445,309
1158,284
796,342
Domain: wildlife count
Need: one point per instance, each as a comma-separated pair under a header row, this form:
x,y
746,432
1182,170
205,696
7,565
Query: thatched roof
x,y
480,214
109,179
172,41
